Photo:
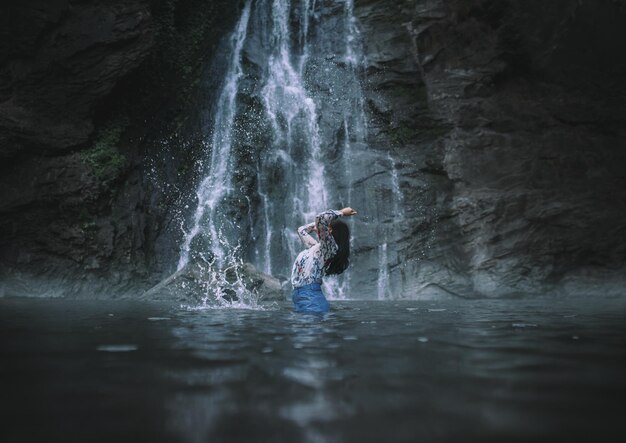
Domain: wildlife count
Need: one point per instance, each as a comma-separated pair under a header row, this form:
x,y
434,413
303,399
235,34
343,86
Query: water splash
x,y
225,286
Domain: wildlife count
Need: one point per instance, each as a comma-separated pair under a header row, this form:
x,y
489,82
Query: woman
x,y
328,256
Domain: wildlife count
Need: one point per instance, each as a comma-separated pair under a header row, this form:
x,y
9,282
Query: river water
x,y
370,371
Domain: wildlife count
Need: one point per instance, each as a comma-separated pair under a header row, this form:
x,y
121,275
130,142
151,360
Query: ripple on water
x,y
303,376
117,348
226,305
202,365
216,374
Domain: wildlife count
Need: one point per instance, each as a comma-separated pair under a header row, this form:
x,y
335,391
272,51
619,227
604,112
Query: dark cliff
x,y
93,97
507,118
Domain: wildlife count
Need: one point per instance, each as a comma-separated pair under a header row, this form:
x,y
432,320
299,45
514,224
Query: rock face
x,y
91,98
47,44
506,120
509,117
58,60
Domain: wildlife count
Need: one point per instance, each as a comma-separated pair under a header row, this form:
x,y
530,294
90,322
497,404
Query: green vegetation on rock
x,y
104,157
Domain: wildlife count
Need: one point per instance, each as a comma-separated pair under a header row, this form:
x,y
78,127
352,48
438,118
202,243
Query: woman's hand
x,y
347,212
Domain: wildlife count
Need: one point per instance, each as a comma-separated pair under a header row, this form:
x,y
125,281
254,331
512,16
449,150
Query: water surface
x,y
508,370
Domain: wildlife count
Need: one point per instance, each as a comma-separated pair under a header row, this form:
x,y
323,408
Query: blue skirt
x,y
309,298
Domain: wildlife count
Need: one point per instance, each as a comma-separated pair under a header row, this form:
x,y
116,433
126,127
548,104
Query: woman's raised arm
x,y
304,232
328,246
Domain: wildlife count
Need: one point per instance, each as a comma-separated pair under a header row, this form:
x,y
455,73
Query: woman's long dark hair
x,y
341,260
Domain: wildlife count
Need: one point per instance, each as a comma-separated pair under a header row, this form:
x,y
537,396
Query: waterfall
x,y
382,284
218,179
292,109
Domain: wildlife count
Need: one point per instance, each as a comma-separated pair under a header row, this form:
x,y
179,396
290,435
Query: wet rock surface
x,y
505,120
91,105
508,117
58,59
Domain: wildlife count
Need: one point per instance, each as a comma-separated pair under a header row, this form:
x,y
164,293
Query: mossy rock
x,y
104,157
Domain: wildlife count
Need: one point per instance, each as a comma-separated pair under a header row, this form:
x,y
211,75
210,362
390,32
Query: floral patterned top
x,y
309,266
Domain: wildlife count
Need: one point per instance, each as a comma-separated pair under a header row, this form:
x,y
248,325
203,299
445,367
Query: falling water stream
x,y
218,180
291,106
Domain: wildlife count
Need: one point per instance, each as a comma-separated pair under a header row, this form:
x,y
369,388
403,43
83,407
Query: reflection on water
x,y
368,371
